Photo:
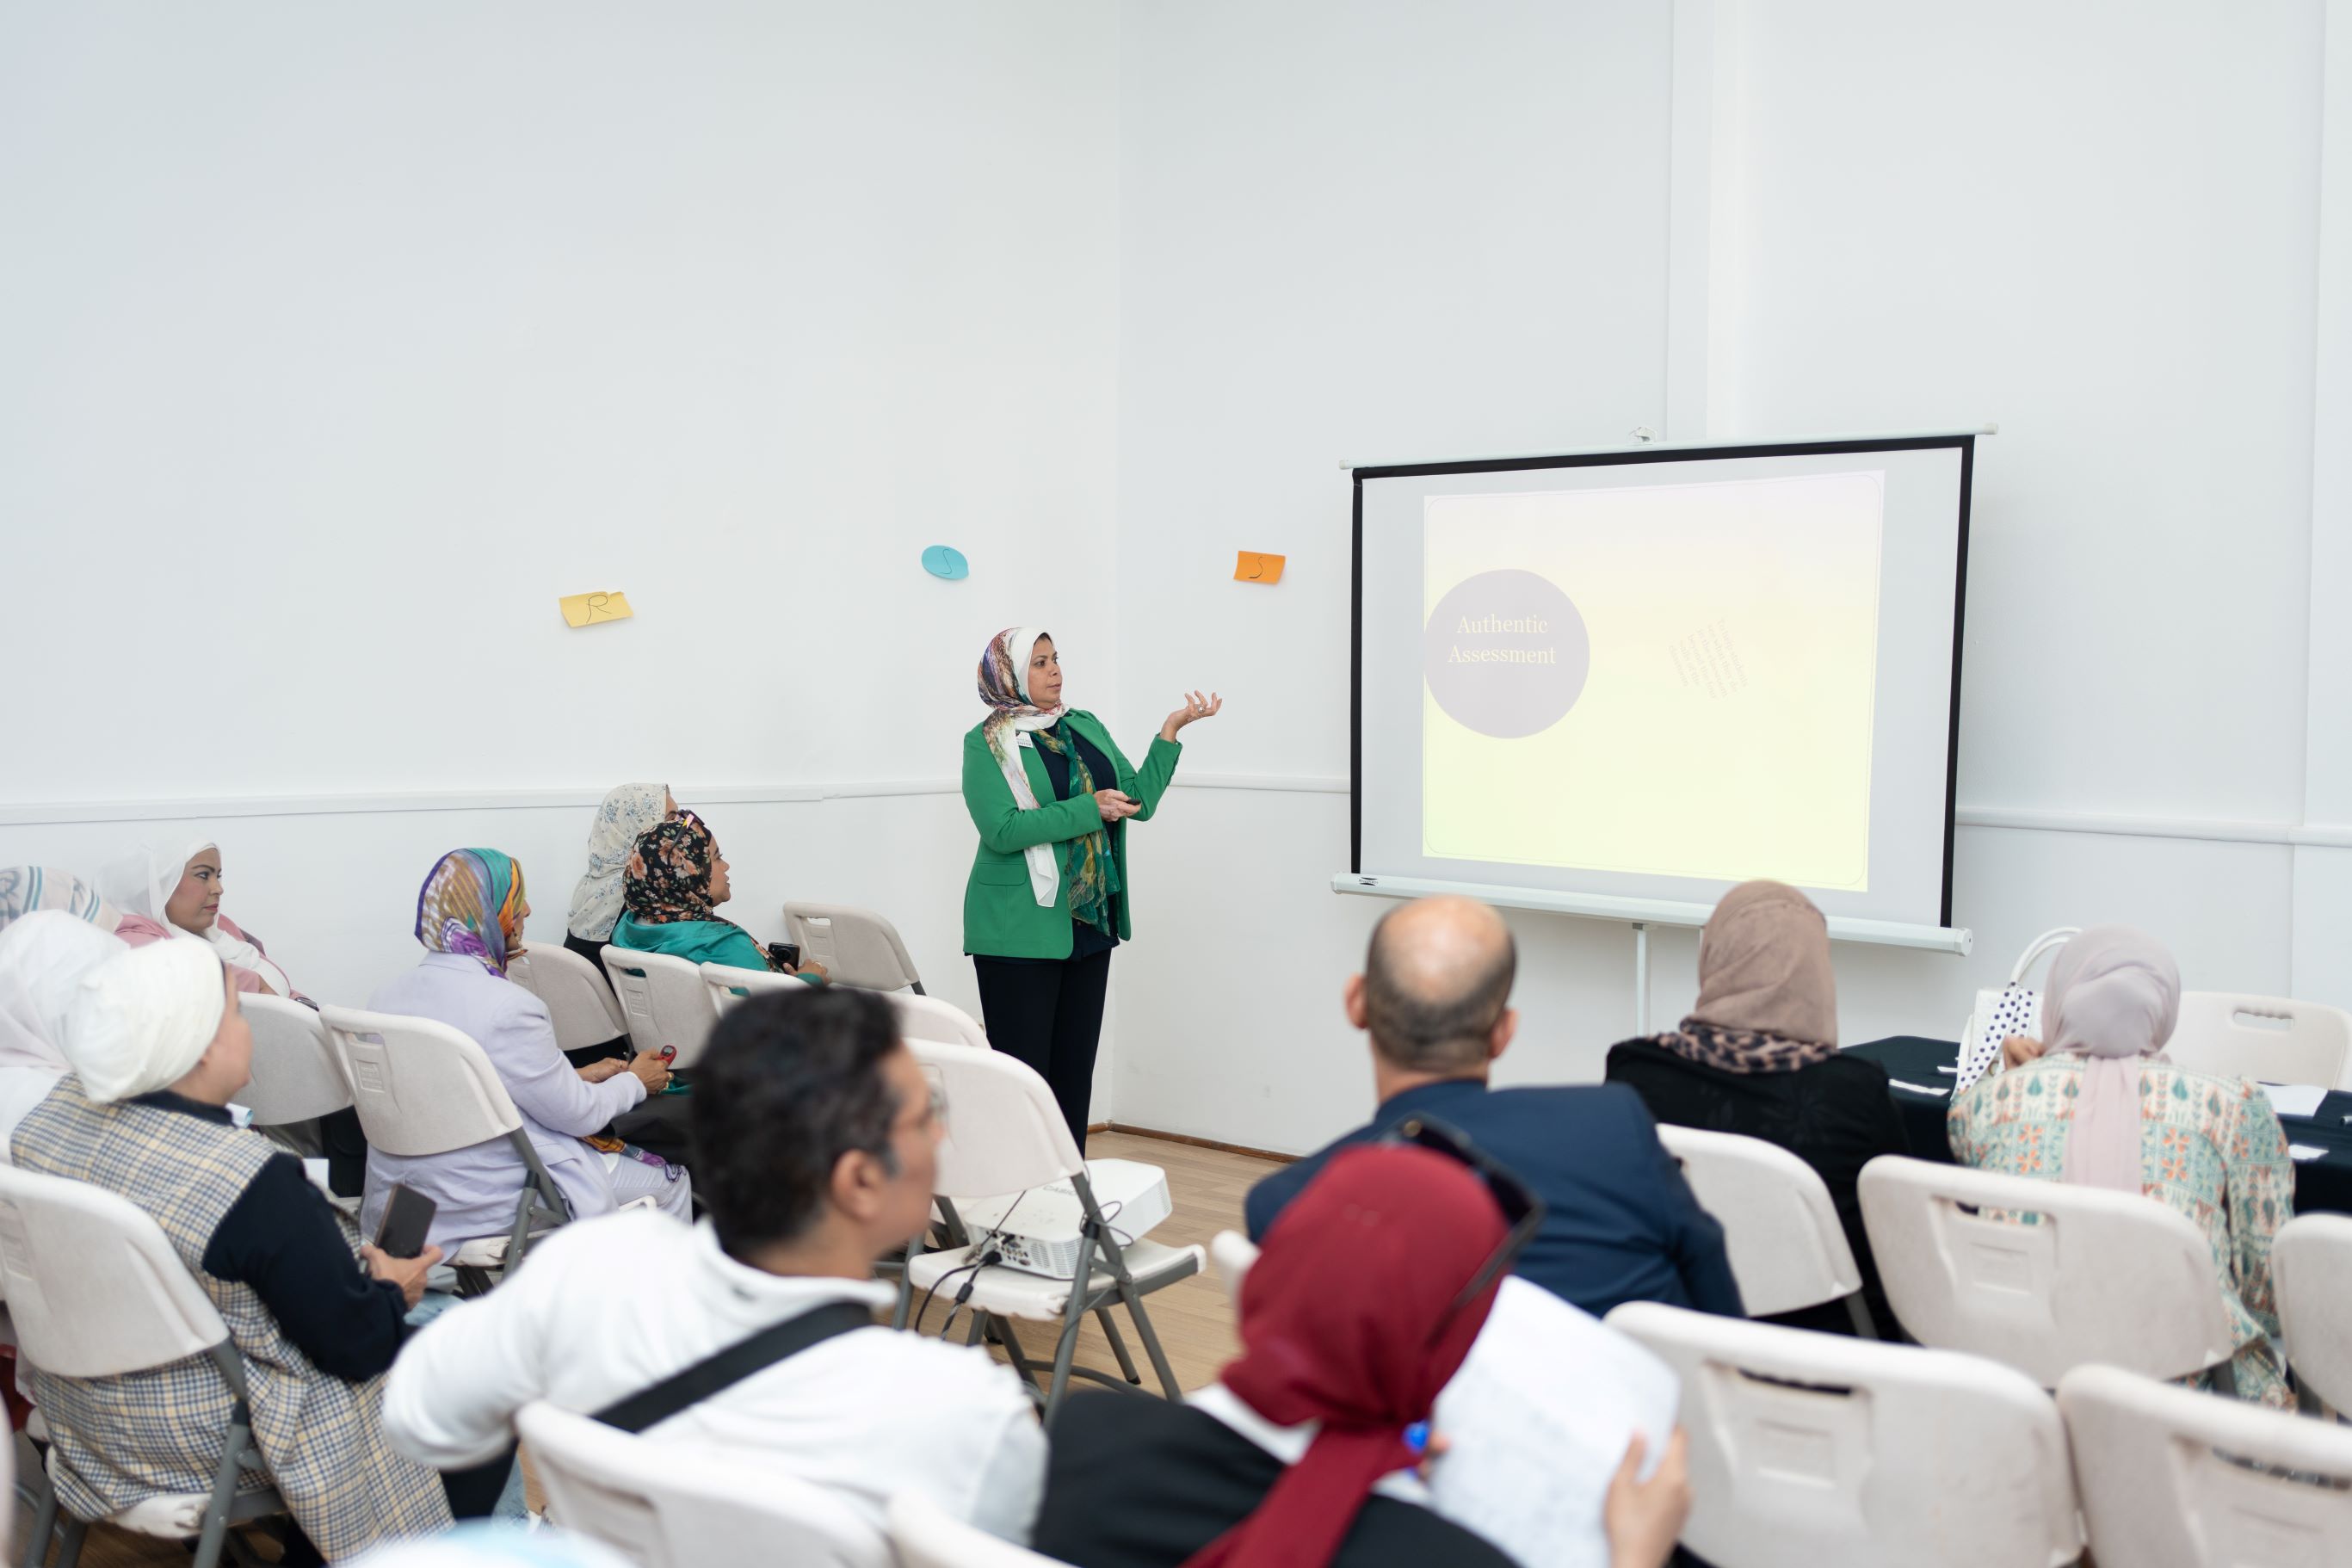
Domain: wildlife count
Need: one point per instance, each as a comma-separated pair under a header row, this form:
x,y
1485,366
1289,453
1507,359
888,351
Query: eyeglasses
x,y
1523,1211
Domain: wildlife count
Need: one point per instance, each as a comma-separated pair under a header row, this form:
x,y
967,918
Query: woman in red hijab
x,y
1373,1284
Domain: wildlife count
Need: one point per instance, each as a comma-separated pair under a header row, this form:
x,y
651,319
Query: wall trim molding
x,y
2211,830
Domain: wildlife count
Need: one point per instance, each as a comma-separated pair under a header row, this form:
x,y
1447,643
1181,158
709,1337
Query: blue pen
x,y
1416,1437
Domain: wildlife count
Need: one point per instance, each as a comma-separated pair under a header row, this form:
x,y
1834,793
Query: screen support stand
x,y
1641,979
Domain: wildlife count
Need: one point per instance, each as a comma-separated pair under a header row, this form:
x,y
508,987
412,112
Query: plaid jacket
x,y
121,1440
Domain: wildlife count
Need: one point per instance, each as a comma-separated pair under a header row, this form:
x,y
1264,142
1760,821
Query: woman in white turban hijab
x,y
43,958
158,1045
2095,1103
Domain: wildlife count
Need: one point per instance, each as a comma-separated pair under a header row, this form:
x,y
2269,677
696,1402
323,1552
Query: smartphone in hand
x,y
407,1217
785,952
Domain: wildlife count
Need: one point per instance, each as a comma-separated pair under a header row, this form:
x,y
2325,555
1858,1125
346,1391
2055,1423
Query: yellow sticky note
x,y
587,609
1250,566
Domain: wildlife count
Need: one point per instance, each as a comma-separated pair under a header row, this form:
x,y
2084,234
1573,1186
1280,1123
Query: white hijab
x,y
627,812
43,958
143,882
141,1020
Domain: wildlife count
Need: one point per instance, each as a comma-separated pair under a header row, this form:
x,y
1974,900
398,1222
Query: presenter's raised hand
x,y
1114,805
1196,707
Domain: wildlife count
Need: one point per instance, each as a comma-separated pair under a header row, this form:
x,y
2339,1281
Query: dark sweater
x,y
1144,1483
1836,1115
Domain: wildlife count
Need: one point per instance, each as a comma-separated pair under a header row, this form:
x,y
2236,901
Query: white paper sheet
x,y
1935,1089
1538,1417
2303,1152
2295,1098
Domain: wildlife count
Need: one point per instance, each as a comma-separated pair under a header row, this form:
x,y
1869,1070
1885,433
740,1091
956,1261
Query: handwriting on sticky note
x,y
1251,566
587,609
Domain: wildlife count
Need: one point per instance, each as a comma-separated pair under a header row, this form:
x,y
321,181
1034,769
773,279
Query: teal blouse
x,y
696,941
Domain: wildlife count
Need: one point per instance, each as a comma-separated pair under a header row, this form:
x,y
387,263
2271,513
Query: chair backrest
x,y
420,1087
2095,1276
1807,1449
294,1073
582,1006
2311,1276
1788,1250
1233,1253
942,1023
928,1536
92,1285
857,947
664,1000
721,1510
1004,1133
724,980
2272,1038
2174,1478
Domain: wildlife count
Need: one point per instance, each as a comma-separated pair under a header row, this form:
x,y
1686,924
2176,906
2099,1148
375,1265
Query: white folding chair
x,y
664,1000
941,1023
1231,1253
2174,1478
96,1291
928,1536
1005,1134
2098,1276
1787,1249
2272,1038
1807,1449
729,985
422,1088
857,947
2311,1276
295,1078
714,1511
583,1009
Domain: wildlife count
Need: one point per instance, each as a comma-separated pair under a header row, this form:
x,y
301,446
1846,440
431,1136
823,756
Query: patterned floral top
x,y
2210,1148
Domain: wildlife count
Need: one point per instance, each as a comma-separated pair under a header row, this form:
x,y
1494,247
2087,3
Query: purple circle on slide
x,y
1506,654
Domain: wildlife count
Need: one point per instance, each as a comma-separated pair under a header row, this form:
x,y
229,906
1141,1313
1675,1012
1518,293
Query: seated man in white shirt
x,y
816,1143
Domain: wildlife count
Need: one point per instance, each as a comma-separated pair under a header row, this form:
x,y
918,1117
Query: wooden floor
x,y
1195,1325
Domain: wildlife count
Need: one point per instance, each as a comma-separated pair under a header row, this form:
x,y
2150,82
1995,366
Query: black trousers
x,y
1049,1014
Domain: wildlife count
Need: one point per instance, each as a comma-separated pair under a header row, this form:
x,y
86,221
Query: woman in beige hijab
x,y
1758,1056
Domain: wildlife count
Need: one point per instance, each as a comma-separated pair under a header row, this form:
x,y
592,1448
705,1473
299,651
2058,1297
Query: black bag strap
x,y
732,1365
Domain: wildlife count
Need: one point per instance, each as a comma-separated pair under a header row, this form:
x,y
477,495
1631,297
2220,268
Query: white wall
x,y
2099,230
348,340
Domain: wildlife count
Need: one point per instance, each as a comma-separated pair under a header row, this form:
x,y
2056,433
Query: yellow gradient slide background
x,y
1725,729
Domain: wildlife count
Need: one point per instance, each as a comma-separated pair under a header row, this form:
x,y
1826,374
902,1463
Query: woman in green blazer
x,y
1046,901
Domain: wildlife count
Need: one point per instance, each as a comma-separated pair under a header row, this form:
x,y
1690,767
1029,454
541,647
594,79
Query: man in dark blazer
x,y
1621,1225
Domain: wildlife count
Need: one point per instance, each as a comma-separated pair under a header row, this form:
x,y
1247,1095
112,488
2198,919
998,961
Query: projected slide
x,y
1665,679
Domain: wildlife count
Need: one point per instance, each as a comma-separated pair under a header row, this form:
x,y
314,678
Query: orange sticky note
x,y
587,609
1250,566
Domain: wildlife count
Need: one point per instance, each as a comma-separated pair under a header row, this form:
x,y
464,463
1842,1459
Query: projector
x,y
1041,1231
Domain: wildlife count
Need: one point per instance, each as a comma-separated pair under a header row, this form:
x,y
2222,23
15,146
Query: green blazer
x,y
1002,918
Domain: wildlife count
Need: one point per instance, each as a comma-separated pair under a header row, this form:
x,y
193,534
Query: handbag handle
x,y
2049,940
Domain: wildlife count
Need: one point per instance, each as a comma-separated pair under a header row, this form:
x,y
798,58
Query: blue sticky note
x,y
944,561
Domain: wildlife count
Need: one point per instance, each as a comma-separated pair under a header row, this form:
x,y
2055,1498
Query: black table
x,y
2324,1183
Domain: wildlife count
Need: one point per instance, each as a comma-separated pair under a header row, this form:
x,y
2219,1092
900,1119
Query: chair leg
x,y
69,1553
1009,1337
1143,1320
209,1544
1117,1345
45,1525
1063,1353
1859,1310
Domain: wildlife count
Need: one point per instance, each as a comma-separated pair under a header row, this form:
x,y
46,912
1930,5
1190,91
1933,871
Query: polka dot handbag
x,y
2014,1009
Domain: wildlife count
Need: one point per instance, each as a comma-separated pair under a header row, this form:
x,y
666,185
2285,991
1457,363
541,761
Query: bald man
x,y
1621,1225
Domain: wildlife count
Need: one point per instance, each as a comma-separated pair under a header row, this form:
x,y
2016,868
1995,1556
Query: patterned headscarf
x,y
472,905
25,889
668,876
597,902
1767,995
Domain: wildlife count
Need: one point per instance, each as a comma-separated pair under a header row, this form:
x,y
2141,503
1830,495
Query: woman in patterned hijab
x,y
473,905
674,883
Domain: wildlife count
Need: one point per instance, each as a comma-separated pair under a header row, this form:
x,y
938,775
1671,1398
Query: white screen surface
x,y
1653,675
